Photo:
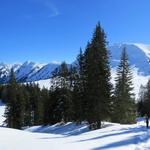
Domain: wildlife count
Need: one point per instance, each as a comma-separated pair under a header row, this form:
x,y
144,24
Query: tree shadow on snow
x,y
136,139
66,129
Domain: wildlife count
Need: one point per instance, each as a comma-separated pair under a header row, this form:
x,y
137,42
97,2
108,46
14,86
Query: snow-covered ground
x,y
72,137
76,137
44,83
2,110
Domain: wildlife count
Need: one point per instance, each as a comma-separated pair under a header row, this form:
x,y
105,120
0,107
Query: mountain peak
x,y
138,56
144,47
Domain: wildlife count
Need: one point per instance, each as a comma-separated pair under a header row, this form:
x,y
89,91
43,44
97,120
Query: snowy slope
x,y
44,83
43,73
144,47
112,136
73,137
26,70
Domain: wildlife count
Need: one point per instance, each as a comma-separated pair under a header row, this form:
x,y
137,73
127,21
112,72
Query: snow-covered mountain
x,y
26,72
43,73
139,56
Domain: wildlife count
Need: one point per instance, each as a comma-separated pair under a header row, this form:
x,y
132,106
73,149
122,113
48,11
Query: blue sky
x,y
54,30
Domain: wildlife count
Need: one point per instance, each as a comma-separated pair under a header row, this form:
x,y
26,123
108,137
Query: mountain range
x,y
139,58
27,72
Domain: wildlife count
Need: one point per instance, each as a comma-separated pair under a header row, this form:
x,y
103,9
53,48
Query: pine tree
x,y
124,105
97,79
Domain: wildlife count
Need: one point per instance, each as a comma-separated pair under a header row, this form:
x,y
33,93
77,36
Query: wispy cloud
x,y
53,9
50,8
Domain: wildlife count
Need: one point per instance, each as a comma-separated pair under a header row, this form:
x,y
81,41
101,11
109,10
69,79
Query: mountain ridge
x,y
26,72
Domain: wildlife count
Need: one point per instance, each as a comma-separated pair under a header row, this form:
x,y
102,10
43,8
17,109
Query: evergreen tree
x,y
97,79
124,105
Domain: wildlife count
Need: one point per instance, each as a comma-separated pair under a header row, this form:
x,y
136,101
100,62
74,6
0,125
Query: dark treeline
x,y
144,101
79,92
24,103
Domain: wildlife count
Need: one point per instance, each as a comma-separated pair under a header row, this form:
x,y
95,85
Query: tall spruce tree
x,y
97,79
124,105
